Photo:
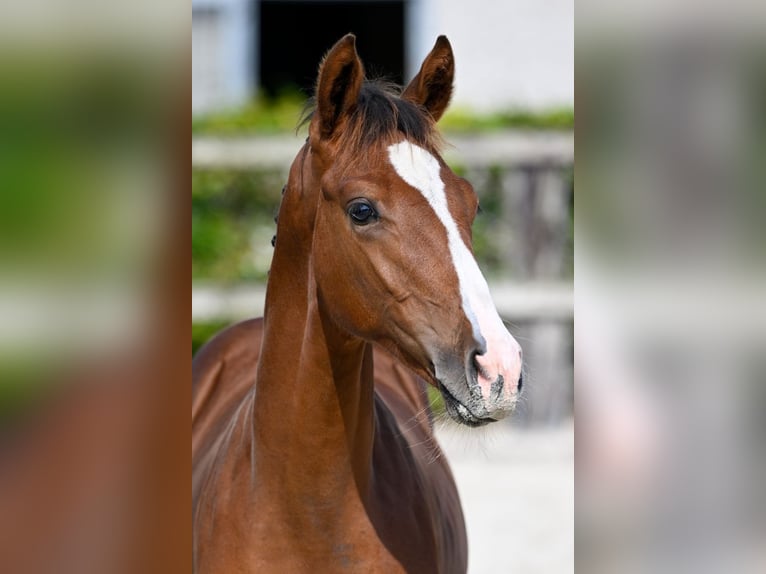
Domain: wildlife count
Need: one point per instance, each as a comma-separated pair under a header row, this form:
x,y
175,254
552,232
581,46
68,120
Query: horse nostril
x,y
473,365
479,370
520,383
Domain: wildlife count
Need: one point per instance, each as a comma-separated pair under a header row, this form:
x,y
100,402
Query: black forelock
x,y
380,114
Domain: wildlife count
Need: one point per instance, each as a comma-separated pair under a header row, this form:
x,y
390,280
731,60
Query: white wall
x,y
223,62
508,53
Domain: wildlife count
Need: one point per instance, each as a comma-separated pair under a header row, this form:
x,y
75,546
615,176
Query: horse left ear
x,y
431,88
340,78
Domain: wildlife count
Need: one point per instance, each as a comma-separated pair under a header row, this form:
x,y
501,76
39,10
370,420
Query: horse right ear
x,y
340,79
432,87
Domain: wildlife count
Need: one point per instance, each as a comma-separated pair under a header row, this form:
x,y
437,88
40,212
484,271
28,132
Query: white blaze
x,y
421,170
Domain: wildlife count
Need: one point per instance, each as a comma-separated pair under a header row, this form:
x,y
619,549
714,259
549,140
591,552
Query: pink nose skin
x,y
499,374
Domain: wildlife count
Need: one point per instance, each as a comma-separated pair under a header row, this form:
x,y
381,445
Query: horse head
x,y
391,247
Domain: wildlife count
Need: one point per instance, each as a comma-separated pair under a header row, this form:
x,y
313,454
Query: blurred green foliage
x,y
74,137
464,120
261,115
266,116
232,224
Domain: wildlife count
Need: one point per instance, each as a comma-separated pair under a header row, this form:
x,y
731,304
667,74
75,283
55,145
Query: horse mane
x,y
381,115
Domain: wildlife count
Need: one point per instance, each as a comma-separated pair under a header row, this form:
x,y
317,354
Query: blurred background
x,y
671,285
509,132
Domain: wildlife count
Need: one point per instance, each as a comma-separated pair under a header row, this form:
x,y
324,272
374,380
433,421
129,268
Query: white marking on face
x,y
420,169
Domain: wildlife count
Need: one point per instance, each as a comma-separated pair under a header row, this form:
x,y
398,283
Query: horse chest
x,y
390,531
305,538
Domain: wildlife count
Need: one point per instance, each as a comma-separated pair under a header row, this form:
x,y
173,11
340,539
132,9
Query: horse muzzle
x,y
483,388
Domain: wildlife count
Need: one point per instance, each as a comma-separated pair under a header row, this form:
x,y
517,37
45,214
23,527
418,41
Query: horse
x,y
313,444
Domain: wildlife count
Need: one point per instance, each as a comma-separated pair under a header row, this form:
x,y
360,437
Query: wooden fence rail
x,y
514,301
510,149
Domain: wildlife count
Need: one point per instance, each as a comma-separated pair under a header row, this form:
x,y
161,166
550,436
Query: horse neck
x,y
313,408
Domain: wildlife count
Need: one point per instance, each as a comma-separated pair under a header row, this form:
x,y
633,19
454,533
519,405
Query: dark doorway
x,y
294,36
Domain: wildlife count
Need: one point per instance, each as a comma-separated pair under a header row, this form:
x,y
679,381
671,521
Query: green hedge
x,y
232,224
261,115
464,120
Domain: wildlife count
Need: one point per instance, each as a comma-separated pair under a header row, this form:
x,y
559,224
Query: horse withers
x,y
312,438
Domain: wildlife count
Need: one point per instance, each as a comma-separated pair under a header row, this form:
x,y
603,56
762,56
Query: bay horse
x,y
312,440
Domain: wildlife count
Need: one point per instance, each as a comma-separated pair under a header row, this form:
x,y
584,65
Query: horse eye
x,y
361,213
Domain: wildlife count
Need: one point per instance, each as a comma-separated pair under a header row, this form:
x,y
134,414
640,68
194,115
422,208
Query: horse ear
x,y
431,88
340,78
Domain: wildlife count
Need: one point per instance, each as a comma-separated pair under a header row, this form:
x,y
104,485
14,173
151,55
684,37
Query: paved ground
x,y
517,489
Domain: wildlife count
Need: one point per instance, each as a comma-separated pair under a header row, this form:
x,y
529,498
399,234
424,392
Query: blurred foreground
x,y
94,379
670,280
